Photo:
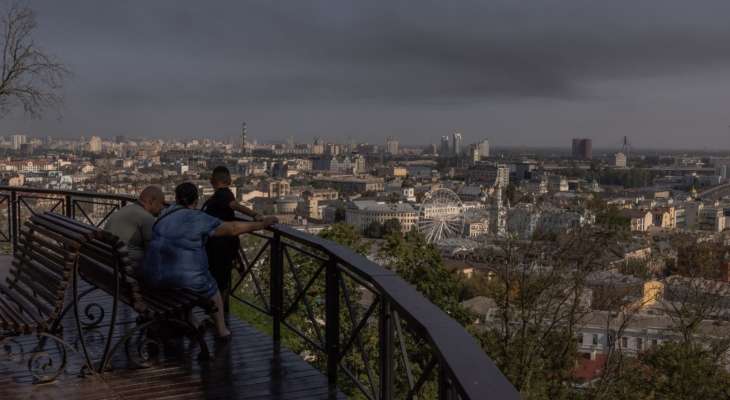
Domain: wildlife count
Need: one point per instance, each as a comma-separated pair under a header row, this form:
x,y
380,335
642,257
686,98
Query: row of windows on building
x,y
635,343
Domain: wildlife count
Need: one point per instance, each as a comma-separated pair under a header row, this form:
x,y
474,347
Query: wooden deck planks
x,y
242,369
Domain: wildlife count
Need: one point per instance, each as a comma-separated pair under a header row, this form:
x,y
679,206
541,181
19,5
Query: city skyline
x,y
390,200
519,74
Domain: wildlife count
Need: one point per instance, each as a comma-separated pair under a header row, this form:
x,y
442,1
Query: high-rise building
x,y
474,153
619,160
333,149
483,149
95,144
486,173
18,140
26,149
318,146
444,148
457,143
391,146
359,161
582,149
243,138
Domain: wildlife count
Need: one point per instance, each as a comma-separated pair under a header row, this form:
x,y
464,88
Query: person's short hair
x,y
152,193
186,194
221,174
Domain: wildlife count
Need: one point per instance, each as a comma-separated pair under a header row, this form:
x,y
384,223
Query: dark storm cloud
x,y
186,67
322,51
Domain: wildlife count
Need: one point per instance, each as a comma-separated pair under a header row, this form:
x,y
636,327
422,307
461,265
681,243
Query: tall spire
x,y
243,138
626,147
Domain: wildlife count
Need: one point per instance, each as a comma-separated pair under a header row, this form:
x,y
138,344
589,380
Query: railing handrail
x,y
73,193
473,373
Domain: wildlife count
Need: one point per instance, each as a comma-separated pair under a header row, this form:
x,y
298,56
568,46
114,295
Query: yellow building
x,y
640,220
665,217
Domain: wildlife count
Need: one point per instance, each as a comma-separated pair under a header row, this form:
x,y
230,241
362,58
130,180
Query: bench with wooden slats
x,y
32,298
96,266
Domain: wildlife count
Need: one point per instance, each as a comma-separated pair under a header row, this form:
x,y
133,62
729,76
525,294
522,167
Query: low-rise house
x,y
712,219
361,213
664,217
639,220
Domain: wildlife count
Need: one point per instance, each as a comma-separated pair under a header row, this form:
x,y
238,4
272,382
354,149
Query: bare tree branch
x,y
30,78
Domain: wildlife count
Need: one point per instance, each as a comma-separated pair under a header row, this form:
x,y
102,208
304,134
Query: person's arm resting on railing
x,y
236,206
235,228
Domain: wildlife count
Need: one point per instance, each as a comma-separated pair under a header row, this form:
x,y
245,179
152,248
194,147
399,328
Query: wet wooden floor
x,y
244,368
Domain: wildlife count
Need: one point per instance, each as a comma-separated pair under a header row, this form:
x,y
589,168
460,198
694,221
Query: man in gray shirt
x,y
133,222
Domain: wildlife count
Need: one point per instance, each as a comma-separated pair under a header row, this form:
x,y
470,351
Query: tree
x,y
538,291
596,204
374,230
610,217
346,235
671,371
420,264
392,226
30,77
701,260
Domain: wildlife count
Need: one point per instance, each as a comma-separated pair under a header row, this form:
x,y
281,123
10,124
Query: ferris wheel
x,y
441,215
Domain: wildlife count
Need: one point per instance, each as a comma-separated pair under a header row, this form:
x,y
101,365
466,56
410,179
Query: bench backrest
x,y
98,260
96,266
42,269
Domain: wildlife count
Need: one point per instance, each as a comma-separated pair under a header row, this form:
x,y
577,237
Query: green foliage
x,y
374,230
539,364
701,260
611,218
685,371
420,264
596,204
670,371
392,226
538,360
346,235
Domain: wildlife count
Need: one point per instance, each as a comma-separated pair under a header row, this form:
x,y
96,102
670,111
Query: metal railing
x,y
373,334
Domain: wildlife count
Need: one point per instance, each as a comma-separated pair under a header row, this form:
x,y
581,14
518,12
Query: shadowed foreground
x,y
244,368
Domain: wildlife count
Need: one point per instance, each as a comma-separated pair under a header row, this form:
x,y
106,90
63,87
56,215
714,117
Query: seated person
x,y
176,256
133,222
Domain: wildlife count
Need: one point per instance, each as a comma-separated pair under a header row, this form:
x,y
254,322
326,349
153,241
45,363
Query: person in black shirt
x,y
222,250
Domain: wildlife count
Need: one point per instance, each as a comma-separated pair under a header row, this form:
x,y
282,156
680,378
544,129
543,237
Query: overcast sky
x,y
516,72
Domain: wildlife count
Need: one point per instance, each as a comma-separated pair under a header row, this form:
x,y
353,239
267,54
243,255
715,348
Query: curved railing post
x,y
14,217
446,392
332,324
276,289
69,207
387,354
